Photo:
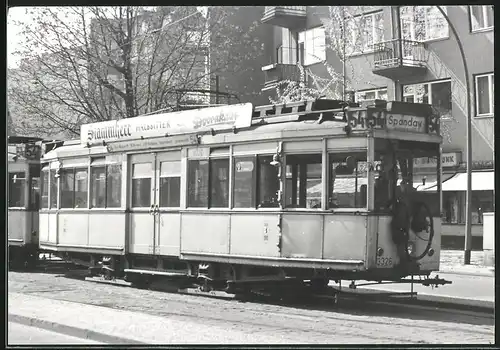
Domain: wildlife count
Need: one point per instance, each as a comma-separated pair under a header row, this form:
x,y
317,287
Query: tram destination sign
x,y
176,123
377,119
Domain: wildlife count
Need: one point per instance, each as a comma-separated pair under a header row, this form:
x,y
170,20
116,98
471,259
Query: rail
x,y
399,52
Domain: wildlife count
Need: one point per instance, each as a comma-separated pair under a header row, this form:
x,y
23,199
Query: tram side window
x,y
268,183
105,189
53,189
219,183
45,189
303,181
73,188
347,185
245,176
198,183
17,188
170,184
141,184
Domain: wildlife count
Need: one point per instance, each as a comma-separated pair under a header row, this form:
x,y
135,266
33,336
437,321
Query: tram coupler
x,y
434,282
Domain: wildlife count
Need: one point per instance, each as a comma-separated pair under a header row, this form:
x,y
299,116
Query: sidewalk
x,y
452,261
122,327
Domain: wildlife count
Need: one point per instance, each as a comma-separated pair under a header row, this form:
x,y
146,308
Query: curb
x,y
491,273
70,330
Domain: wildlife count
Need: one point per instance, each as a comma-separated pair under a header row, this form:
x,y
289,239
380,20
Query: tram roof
x,y
23,139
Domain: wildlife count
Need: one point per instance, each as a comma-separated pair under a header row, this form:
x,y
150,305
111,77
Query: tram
x,y
23,154
237,196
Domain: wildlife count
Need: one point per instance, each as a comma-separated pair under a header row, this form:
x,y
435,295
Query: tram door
x,y
154,203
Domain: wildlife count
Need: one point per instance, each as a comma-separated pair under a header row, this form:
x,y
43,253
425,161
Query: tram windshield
x,y
406,167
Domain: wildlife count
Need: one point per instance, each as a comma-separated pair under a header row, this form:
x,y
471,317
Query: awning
x,y
481,181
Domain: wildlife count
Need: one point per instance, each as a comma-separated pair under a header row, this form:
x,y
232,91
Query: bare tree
x,y
90,64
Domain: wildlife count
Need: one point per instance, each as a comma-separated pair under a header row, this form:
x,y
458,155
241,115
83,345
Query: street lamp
x,y
468,196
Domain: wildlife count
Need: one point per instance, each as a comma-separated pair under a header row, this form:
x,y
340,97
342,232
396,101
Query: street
x,y
19,334
248,323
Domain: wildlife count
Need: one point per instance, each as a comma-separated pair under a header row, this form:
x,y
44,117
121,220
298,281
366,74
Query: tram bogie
x,y
310,193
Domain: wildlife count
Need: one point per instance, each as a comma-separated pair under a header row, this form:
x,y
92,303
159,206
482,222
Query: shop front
x,y
454,186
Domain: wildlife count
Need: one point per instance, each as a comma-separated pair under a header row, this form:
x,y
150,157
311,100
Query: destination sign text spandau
x,y
189,121
377,119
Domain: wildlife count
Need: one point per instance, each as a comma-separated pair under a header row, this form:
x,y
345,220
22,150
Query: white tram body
x,y
23,154
284,190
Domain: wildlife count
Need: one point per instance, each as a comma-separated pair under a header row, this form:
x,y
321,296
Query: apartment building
x,y
405,53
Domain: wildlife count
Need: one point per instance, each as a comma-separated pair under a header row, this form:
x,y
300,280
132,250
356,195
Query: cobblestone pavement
x,y
284,324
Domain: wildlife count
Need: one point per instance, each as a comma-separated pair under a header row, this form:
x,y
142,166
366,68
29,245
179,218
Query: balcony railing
x,y
398,57
285,66
285,16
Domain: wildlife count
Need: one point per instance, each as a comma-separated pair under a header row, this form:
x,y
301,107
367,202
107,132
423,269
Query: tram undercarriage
x,y
144,271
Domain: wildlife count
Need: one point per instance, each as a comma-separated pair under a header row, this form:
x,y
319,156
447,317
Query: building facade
x,y
404,53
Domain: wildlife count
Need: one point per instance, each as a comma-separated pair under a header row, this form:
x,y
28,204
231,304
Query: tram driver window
x,y
303,181
17,188
347,180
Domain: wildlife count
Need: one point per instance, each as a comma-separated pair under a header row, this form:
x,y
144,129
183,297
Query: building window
x,y
481,17
17,190
422,23
312,45
370,95
303,181
105,185
485,94
364,31
437,94
74,188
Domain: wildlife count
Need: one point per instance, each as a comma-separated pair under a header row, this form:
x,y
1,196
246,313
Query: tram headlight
x,y
431,252
411,248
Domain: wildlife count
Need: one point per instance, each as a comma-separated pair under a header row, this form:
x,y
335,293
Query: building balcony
x,y
284,68
291,17
399,58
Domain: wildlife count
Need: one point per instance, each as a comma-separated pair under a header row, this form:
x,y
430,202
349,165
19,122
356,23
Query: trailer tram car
x,y
23,155
242,198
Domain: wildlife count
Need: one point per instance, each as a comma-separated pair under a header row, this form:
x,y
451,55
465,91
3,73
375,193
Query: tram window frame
x,y
139,179
261,188
44,183
110,196
171,179
360,196
53,189
69,176
17,182
238,191
34,186
296,196
203,196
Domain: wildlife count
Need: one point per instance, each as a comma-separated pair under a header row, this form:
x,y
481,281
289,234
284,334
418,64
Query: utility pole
x,y
468,196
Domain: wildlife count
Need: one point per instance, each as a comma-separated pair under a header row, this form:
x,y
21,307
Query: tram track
x,y
381,322
348,301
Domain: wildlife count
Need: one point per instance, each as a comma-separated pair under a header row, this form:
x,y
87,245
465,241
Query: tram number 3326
x,y
384,261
